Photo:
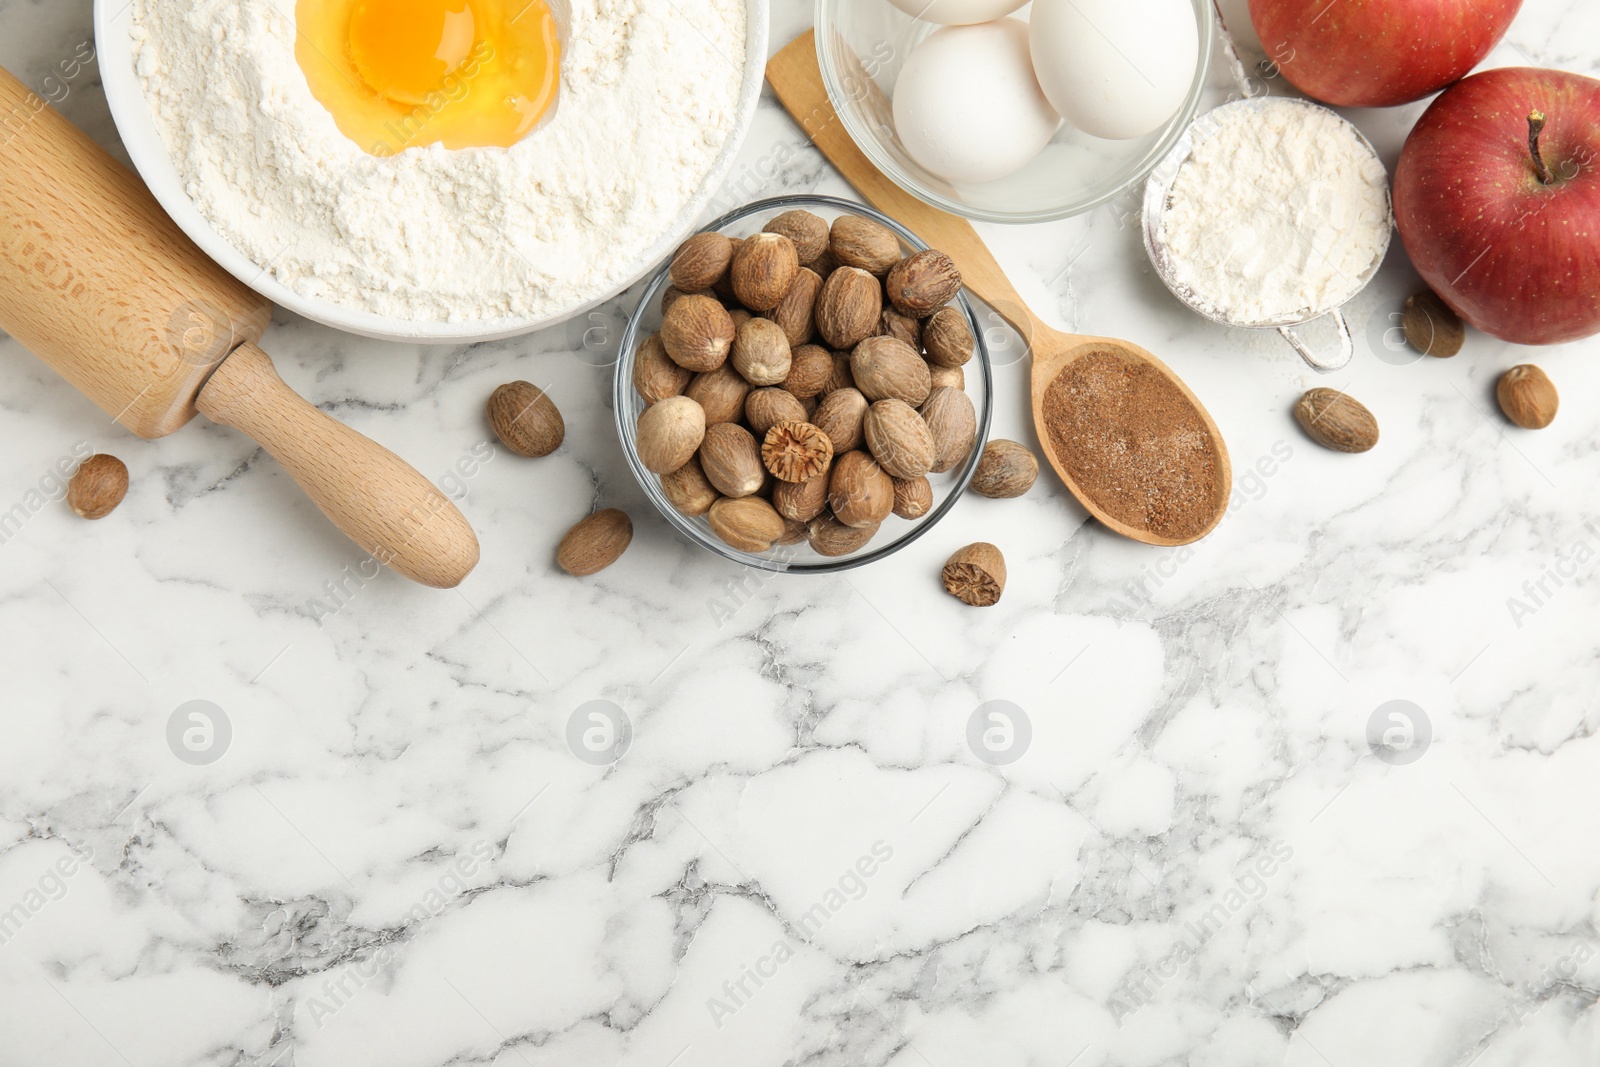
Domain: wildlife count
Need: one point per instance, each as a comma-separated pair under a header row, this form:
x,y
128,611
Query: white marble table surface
x,y
1199,858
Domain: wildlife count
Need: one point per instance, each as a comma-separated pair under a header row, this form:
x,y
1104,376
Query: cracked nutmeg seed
x,y
796,451
976,575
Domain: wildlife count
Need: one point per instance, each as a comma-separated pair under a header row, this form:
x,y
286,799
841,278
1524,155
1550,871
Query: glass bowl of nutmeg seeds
x,y
804,387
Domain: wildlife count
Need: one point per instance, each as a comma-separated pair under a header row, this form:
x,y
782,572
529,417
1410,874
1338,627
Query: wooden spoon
x,y
797,79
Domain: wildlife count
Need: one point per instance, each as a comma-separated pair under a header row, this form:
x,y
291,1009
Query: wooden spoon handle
x,y
796,77
377,499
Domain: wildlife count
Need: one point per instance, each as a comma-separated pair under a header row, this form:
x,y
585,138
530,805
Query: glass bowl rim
x,y
622,393
867,141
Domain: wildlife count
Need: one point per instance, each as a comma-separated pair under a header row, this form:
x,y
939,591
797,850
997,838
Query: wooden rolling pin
x,y
98,282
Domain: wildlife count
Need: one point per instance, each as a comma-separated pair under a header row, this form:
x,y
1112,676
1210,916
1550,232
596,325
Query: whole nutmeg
x,y
669,433
97,486
810,367
731,460
764,266
672,294
1528,397
848,307
922,283
796,312
701,262
765,408
947,338
830,537
761,352
723,289
697,333
595,543
885,369
794,532
840,416
525,419
954,425
655,375
808,232
860,242
913,497
720,393
947,377
1335,420
1431,327
748,523
801,501
825,264
1005,470
796,451
976,575
859,491
687,489
841,378
899,439
901,327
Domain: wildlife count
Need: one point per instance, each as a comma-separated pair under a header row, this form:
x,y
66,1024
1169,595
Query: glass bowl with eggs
x,y
1005,111
803,522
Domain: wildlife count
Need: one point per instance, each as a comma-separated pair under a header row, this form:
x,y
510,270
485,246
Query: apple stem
x,y
1536,123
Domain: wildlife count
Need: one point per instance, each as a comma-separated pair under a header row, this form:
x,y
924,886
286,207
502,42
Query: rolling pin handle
x,y
377,499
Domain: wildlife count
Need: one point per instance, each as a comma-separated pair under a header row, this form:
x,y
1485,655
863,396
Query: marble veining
x,y
397,830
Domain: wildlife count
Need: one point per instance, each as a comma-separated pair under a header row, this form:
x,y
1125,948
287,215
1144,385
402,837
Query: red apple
x,y
1378,53
1497,197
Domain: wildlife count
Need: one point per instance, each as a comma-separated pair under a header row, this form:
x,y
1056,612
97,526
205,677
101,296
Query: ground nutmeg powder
x,y
1134,444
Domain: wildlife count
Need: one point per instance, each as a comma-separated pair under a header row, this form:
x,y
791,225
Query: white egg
x,y
1117,69
967,106
956,12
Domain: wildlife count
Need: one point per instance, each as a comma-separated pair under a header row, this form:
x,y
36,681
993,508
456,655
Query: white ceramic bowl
x,y
113,19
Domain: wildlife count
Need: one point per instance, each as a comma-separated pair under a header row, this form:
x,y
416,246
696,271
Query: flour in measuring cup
x,y
1279,213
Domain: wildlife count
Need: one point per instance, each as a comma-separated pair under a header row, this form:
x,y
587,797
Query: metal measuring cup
x,y
1157,197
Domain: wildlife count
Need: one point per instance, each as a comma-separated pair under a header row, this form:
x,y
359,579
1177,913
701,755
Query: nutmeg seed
x,y
923,283
701,262
97,486
669,433
1528,397
697,333
525,419
976,575
595,543
764,267
1005,470
1336,420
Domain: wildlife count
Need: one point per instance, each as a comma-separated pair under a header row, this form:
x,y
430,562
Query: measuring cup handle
x,y
1347,347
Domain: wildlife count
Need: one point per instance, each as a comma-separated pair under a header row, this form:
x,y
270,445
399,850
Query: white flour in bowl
x,y
1278,213
649,94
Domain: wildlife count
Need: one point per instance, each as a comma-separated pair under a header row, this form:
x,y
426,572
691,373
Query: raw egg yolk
x,y
398,74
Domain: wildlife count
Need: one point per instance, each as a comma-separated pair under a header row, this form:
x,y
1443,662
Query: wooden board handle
x,y
796,77
377,499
